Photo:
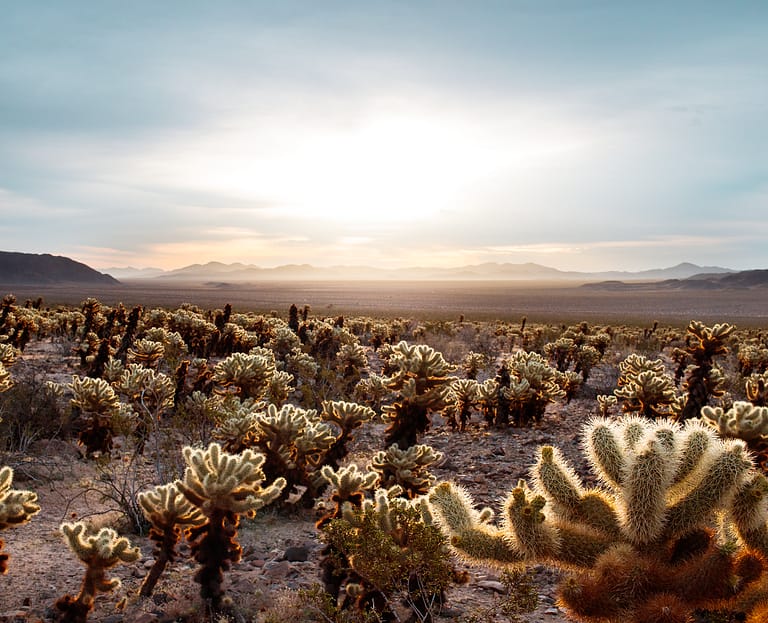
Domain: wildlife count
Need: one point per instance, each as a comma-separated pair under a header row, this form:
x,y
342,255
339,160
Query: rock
x,y
277,570
296,554
492,585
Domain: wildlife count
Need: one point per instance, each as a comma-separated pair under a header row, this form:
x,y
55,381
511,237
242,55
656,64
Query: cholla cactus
x,y
99,552
407,468
5,379
703,379
742,421
223,487
650,541
488,394
752,358
146,352
348,486
248,374
347,416
8,354
472,364
150,394
605,403
371,390
170,514
17,507
294,442
423,385
756,387
462,400
533,384
99,404
643,387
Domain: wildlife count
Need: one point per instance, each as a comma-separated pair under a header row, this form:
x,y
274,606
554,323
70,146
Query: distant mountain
x,y
742,280
34,269
238,272
129,272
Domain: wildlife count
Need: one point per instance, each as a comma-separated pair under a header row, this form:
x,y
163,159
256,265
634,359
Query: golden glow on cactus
x,y
215,479
99,551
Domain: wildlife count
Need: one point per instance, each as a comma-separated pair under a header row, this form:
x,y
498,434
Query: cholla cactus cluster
x,y
650,543
17,507
645,388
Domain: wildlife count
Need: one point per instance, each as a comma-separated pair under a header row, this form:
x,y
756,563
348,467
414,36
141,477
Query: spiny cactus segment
x,y
652,531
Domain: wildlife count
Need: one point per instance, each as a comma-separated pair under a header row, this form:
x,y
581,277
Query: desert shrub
x,y
389,552
31,409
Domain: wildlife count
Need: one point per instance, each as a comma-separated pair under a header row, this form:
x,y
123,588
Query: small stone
x,y
277,570
553,611
296,554
492,586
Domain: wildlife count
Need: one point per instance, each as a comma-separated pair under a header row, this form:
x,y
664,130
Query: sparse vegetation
x,y
353,420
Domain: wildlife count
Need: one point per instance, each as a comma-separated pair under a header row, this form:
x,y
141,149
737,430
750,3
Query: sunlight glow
x,y
388,169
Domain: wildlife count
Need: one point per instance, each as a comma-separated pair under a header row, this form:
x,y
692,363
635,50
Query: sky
x,y
582,135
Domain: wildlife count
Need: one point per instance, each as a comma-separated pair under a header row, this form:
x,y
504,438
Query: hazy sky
x,y
577,134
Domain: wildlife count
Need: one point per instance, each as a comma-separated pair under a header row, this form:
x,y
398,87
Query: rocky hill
x,y
37,269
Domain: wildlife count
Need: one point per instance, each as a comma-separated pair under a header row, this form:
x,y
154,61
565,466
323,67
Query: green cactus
x,y
17,507
222,487
423,385
98,551
170,515
652,535
408,469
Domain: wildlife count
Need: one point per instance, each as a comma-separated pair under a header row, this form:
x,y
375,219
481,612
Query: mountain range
x,y
46,269
219,272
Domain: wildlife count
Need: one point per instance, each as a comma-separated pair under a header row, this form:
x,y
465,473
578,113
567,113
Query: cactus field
x,y
313,461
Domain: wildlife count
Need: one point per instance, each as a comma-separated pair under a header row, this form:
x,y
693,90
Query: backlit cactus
x,y
17,507
99,552
170,514
651,535
742,421
644,388
223,487
533,384
703,380
248,375
98,405
423,385
408,469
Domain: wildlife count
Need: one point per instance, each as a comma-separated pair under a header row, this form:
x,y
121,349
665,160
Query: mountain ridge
x,y
492,271
45,269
